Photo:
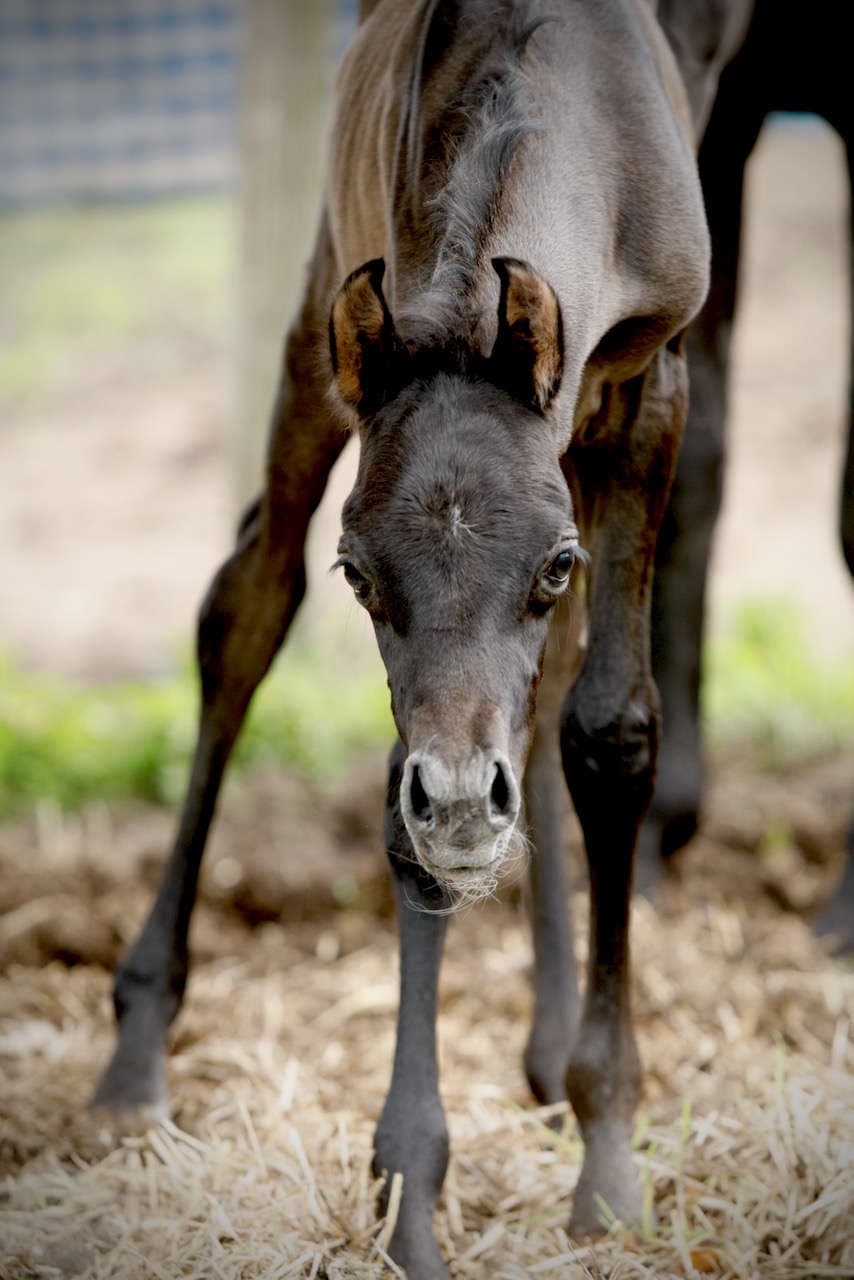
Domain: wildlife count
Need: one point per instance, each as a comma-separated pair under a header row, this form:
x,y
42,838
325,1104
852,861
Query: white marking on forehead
x,y
458,524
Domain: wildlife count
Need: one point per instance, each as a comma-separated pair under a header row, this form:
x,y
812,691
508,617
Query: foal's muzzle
x,y
460,819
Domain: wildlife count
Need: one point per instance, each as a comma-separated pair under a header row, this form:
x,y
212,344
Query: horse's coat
x,y
512,244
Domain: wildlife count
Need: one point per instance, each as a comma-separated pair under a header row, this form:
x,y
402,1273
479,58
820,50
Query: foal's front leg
x,y
243,621
412,1137
609,742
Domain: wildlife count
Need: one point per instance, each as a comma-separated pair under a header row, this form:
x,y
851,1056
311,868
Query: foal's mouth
x,y
461,817
469,874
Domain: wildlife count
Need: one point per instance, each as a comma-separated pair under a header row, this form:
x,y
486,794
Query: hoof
x,y
124,1121
606,1192
546,1076
659,842
131,1095
677,830
418,1253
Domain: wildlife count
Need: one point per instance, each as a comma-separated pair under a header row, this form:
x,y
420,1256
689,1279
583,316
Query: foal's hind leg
x,y
556,1006
609,740
242,624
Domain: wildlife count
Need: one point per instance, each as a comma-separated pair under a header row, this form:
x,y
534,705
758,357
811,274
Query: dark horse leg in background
x,y
744,97
684,544
242,623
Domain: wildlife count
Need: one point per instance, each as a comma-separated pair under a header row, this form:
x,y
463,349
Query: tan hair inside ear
x,y
531,302
530,324
358,320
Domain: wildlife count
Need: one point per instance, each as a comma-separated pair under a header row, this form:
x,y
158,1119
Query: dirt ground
x,y
279,1062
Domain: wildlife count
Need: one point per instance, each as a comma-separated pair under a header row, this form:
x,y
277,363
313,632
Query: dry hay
x,y
281,1057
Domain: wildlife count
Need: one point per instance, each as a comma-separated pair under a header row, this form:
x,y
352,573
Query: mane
x,y
476,136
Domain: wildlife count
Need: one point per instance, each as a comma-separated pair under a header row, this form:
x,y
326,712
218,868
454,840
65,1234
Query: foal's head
x,y
457,538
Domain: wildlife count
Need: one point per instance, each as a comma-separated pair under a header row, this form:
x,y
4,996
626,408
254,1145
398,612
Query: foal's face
x,y
458,538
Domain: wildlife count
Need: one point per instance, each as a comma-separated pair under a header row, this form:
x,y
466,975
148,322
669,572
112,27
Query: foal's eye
x,y
361,585
357,580
560,568
552,580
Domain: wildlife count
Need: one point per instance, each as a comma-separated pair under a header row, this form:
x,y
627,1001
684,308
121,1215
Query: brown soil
x,y
73,887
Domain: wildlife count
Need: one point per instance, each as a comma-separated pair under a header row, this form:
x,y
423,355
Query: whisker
x,y
477,889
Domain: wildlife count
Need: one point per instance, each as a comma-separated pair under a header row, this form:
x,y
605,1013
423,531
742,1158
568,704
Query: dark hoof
x,y
416,1251
407,1234
608,1190
128,1121
131,1094
659,840
677,831
545,1071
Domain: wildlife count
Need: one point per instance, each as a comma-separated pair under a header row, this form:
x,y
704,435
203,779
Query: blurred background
x,y
162,166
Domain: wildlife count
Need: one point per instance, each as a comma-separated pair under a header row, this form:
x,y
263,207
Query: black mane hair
x,y
470,140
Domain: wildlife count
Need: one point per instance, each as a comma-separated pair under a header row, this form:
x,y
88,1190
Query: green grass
x,y
764,687
81,284
75,743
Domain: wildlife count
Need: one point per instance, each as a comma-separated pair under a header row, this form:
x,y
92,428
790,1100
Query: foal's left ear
x,y
362,339
527,359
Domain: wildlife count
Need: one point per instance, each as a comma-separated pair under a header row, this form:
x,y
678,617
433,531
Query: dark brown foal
x,y
512,245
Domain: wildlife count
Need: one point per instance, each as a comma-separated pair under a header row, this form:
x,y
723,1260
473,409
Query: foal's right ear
x,y
527,359
362,339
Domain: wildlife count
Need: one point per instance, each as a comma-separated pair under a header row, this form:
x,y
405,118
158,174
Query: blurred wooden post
x,y
288,66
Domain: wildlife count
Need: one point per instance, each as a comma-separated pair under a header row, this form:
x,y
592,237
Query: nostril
x,y
499,794
418,798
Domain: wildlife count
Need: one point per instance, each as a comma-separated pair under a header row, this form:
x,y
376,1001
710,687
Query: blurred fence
x,y
126,97
103,98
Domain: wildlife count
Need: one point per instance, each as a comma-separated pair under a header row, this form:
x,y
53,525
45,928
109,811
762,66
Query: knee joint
x,y
245,614
604,751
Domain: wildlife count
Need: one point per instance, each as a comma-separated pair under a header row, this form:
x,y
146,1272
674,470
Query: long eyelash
x,y
338,564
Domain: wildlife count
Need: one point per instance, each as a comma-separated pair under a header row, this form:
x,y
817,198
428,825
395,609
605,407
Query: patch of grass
x,y
764,687
74,743
80,282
